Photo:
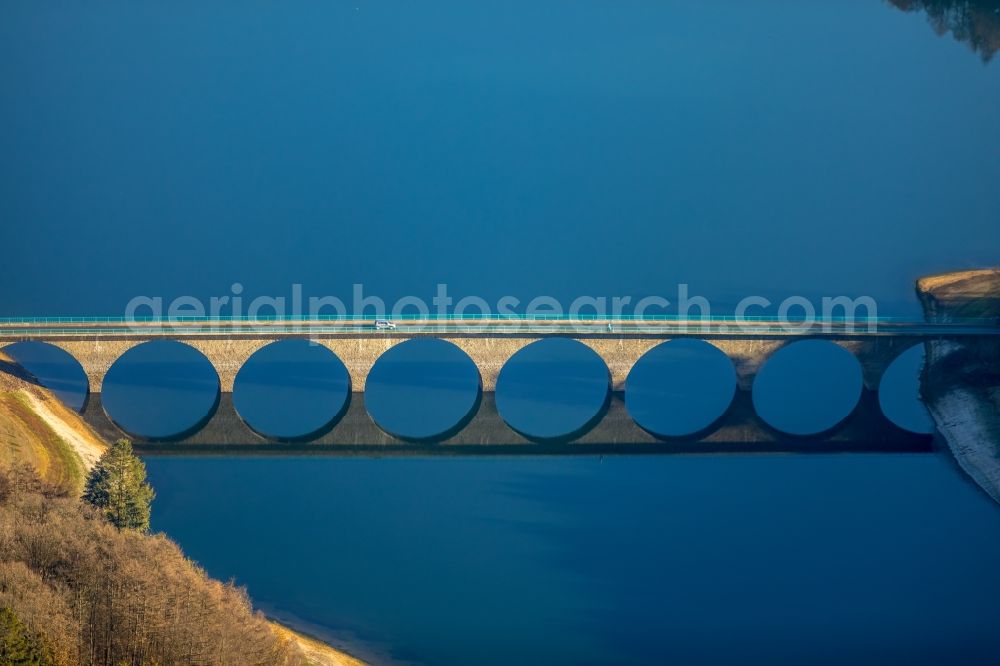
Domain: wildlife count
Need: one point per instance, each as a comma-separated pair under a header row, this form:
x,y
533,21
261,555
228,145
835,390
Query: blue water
x,y
680,387
807,387
645,560
552,388
422,388
291,389
160,389
54,368
504,148
550,148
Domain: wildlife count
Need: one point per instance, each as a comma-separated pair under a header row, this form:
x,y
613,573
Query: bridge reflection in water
x,y
739,430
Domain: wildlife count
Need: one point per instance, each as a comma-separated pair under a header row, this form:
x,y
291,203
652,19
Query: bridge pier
x,y
876,354
748,356
95,355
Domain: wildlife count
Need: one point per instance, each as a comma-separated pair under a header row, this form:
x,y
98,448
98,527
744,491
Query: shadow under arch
x,y
297,439
865,428
575,434
196,356
171,437
444,435
313,433
806,374
382,371
702,433
566,348
818,436
667,374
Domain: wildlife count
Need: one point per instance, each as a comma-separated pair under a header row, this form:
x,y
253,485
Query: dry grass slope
x,y
36,428
60,564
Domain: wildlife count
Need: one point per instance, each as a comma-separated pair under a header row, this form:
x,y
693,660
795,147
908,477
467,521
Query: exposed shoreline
x,y
346,643
960,382
316,651
970,433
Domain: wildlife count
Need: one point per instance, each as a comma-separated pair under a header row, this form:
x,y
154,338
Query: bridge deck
x,y
615,327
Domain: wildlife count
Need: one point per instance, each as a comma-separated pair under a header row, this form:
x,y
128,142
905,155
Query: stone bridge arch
x,y
359,352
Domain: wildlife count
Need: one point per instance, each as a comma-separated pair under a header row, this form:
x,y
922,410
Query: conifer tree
x,y
117,486
18,645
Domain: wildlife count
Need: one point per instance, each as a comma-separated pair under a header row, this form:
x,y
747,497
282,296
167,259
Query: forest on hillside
x,y
975,22
74,589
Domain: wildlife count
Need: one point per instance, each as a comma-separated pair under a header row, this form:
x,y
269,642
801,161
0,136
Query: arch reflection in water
x,y
55,369
291,389
552,388
680,387
899,393
422,389
808,387
160,390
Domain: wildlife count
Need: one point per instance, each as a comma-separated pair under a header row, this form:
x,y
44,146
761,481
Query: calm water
x,y
693,560
545,148
504,148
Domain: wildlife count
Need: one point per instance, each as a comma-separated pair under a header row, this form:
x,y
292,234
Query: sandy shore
x,y
316,652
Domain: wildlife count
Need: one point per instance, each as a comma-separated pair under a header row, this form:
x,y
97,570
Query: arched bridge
x,y
227,345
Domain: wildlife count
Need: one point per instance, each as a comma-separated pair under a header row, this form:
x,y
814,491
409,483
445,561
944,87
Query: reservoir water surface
x,y
554,149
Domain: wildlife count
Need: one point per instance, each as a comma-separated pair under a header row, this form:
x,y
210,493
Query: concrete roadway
x,y
484,327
